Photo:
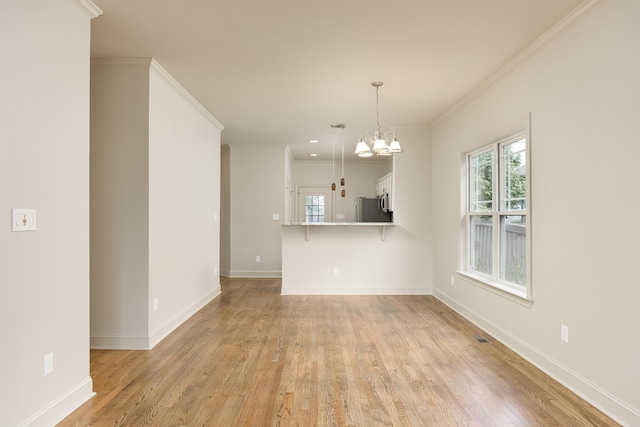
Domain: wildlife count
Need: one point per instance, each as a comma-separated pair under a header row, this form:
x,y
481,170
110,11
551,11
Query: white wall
x,y
360,179
155,191
584,95
184,204
225,210
119,203
289,188
256,193
401,264
44,165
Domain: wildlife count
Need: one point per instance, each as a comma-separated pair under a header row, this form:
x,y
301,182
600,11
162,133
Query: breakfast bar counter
x,y
308,225
343,258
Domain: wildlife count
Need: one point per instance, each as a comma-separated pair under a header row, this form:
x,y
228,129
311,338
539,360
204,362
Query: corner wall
x,y
583,92
155,182
44,165
119,204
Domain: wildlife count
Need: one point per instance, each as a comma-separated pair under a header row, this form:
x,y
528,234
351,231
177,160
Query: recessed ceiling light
x,y
314,141
314,155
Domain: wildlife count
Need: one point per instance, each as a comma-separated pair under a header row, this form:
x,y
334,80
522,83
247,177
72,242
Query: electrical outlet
x,y
155,304
453,282
48,363
336,271
564,333
257,258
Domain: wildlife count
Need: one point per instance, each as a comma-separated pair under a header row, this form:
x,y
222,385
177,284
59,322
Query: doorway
x,y
314,204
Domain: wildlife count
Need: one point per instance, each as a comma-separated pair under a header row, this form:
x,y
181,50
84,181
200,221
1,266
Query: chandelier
x,y
381,143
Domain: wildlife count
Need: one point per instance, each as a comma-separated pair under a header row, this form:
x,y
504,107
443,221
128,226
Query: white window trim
x,y
504,289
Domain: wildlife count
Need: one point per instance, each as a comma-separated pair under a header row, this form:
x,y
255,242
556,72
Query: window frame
x,y
493,281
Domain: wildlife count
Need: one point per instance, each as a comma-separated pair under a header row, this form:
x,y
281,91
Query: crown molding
x,y
152,64
182,91
144,61
575,16
88,7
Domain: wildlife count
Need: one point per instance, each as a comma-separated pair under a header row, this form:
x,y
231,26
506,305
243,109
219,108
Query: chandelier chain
x,y
377,110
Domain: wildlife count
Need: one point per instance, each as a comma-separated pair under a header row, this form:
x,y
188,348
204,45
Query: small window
x,y
497,207
314,208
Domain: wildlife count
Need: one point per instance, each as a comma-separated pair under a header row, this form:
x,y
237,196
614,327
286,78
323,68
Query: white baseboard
x,y
160,333
147,342
60,408
354,291
258,274
118,342
619,411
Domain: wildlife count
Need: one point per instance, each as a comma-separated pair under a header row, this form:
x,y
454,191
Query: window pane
x,y
481,182
514,162
481,244
314,206
513,238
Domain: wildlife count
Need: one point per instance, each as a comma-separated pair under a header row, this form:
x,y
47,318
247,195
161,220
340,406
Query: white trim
x,y
152,64
497,288
88,7
147,342
143,61
575,16
355,291
172,324
118,342
64,405
186,95
612,406
257,274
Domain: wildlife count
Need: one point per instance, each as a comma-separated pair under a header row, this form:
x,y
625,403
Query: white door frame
x,y
300,189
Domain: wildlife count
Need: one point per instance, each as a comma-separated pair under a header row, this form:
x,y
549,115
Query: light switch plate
x,y
276,217
23,219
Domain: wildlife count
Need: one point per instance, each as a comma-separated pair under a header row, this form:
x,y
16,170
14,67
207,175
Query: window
x,y
314,208
496,229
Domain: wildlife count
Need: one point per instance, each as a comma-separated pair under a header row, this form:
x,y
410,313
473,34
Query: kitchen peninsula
x,y
340,258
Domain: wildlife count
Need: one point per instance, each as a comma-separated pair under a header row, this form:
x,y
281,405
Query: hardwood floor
x,y
254,358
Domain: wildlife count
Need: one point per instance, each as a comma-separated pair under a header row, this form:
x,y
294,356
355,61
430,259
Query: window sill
x,y
514,295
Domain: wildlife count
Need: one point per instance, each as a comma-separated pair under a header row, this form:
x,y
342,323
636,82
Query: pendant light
x,y
333,165
342,190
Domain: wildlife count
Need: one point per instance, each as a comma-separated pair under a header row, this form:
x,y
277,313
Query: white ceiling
x,y
280,72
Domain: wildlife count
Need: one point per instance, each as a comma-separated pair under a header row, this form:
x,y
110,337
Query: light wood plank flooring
x,y
254,358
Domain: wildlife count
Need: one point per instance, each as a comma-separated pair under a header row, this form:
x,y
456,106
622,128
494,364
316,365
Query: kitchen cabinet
x,y
384,184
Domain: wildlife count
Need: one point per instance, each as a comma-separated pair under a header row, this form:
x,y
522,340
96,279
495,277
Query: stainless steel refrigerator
x,y
370,210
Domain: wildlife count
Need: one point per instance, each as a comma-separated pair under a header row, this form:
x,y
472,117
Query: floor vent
x,y
481,339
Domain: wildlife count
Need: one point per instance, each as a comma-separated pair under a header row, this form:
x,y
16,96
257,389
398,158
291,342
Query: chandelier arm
x,y
393,135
